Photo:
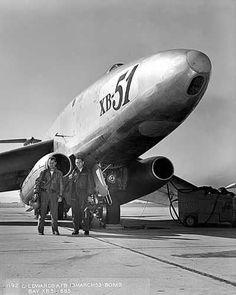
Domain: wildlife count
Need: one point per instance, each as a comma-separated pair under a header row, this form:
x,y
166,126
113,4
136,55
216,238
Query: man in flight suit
x,y
49,188
81,186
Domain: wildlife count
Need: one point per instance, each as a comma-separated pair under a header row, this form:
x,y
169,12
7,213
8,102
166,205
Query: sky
x,y
52,50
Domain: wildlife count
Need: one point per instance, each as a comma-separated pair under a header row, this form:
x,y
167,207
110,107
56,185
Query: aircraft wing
x,y
16,164
161,195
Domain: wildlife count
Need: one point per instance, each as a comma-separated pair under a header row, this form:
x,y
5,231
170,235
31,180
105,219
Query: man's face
x,y
79,163
52,163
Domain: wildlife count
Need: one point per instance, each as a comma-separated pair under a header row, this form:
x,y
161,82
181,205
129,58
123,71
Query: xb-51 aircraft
x,y
126,112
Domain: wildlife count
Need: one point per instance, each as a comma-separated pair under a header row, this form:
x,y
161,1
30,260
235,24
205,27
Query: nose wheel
x,y
101,214
98,207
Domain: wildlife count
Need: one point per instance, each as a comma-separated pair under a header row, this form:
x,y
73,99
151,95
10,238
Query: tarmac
x,y
149,254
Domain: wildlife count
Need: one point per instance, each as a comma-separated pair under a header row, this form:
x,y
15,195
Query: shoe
x,y
56,232
86,233
75,232
41,233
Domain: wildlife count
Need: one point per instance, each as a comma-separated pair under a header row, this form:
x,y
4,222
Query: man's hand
x,y
35,197
59,199
90,199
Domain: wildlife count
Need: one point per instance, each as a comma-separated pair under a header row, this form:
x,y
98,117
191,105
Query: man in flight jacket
x,y
81,185
49,188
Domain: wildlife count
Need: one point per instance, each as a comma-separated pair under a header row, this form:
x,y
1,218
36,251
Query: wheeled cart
x,y
203,206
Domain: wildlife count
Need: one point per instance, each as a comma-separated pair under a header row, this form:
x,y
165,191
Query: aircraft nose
x,y
198,61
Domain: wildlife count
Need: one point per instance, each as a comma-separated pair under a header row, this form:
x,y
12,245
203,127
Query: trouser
x,y
51,200
80,216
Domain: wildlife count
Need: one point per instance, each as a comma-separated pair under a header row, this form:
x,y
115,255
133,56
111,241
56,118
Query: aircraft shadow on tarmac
x,y
160,229
134,228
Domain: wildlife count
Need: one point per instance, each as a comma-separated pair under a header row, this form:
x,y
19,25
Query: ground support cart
x,y
202,206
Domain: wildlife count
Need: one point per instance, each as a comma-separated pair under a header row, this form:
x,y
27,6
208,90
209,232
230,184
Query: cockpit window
x,y
73,102
115,66
195,85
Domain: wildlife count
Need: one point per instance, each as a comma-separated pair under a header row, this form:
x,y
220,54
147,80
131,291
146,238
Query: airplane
x,y
130,109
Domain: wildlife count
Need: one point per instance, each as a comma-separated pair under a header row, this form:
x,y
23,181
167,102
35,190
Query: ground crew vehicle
x,y
206,205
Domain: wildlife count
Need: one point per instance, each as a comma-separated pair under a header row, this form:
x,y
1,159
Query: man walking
x,y
49,188
81,186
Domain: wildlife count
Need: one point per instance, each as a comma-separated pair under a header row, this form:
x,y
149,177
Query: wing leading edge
x,y
16,164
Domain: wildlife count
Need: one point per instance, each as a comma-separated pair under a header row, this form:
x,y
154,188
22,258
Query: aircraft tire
x,y
104,214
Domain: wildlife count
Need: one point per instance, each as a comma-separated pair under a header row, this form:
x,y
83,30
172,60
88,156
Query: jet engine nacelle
x,y
27,190
144,177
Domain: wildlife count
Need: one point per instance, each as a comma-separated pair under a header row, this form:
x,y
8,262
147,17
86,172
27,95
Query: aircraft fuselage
x,y
121,116
132,107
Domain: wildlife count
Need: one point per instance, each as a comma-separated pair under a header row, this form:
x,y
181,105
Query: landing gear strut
x,y
113,212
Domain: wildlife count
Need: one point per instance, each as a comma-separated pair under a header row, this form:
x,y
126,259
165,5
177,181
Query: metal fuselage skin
x,y
132,108
124,114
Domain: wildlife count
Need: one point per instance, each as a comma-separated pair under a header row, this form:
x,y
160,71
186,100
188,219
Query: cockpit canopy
x,y
115,66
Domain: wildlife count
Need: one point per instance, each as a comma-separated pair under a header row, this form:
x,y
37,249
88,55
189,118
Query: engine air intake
x,y
196,85
63,163
162,168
